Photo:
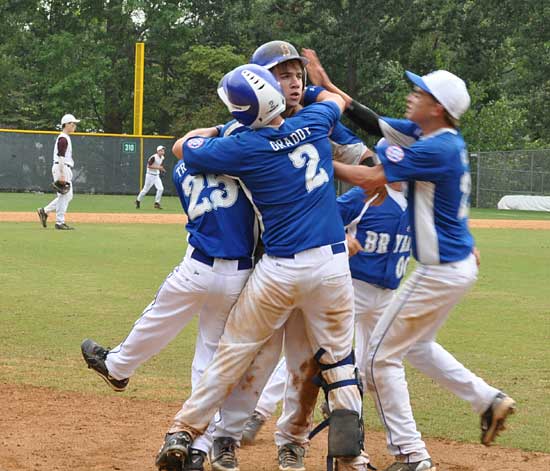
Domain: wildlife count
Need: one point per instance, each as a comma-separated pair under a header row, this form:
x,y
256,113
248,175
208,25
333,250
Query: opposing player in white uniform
x,y
286,167
436,169
222,231
152,178
62,171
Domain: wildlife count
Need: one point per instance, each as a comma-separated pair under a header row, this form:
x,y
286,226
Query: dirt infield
x,y
44,430
150,218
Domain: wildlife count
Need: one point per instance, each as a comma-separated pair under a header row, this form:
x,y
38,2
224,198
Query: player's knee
x,y
345,433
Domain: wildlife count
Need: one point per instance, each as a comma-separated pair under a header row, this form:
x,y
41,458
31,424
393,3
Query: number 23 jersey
x,y
221,221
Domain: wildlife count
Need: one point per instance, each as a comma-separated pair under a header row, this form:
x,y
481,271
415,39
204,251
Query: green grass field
x,y
60,287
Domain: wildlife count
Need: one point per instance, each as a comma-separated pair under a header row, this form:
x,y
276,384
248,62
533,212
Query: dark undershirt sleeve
x,y
364,117
62,145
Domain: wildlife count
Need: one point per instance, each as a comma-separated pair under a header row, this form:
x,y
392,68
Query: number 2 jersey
x,y
384,234
288,174
437,171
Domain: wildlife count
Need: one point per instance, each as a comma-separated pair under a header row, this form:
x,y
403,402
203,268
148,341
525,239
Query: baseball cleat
x,y
492,420
95,356
158,206
138,204
43,215
63,227
357,463
174,451
424,465
251,428
223,456
195,460
291,457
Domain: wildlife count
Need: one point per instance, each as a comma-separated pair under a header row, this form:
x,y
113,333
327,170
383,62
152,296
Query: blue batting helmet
x,y
252,95
275,52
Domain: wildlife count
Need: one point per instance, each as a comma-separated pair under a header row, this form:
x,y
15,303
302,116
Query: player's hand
x,y
380,192
354,245
315,71
477,255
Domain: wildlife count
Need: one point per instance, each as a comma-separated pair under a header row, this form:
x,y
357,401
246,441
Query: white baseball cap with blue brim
x,y
446,88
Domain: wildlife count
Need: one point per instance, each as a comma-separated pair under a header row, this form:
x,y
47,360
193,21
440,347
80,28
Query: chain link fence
x,y
103,164
499,173
113,165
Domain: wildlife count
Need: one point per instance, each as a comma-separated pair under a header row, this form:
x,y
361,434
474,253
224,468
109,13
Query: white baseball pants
x,y
319,283
408,328
193,288
61,202
151,180
274,390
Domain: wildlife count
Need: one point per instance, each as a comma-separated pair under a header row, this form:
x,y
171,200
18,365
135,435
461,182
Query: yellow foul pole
x,y
138,102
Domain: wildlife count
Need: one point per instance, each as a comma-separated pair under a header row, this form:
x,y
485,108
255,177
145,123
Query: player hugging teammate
x,y
302,294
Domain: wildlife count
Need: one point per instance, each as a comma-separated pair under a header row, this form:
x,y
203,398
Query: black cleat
x,y
174,451
195,460
492,420
223,456
63,227
138,204
43,215
158,206
94,356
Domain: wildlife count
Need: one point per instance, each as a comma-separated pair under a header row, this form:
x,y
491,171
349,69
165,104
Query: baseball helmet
x,y
252,95
276,52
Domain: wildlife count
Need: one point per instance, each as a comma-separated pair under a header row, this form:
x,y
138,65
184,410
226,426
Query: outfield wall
x,y
104,163
115,164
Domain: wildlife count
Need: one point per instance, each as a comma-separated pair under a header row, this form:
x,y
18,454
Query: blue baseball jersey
x,y
437,171
287,172
221,221
384,233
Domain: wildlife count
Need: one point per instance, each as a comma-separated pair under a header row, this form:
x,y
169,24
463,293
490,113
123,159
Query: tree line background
x,y
77,56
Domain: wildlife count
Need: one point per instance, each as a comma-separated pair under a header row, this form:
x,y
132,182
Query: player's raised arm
x,y
177,148
360,114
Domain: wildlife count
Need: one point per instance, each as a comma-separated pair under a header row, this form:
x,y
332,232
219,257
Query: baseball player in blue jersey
x,y
285,166
288,68
222,232
383,234
435,166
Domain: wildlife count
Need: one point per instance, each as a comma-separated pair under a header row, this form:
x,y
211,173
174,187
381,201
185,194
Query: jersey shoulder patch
x,y
195,142
395,153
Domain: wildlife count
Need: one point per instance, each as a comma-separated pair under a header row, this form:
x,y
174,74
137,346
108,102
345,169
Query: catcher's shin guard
x,y
346,431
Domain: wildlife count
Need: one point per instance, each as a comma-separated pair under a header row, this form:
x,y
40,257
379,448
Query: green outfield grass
x,y
60,287
125,203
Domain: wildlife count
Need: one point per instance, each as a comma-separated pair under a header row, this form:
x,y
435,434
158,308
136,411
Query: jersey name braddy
x,y
294,138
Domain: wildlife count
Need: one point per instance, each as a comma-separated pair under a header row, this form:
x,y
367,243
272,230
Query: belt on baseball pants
x,y
243,263
337,248
66,165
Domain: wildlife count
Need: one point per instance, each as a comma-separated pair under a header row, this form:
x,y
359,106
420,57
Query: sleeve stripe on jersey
x,y
395,137
427,243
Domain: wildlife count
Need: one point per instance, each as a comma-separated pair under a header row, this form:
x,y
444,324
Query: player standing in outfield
x,y
62,172
152,177
286,168
437,172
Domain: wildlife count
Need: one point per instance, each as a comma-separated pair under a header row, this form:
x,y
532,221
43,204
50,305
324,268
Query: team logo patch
x,y
195,142
395,153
